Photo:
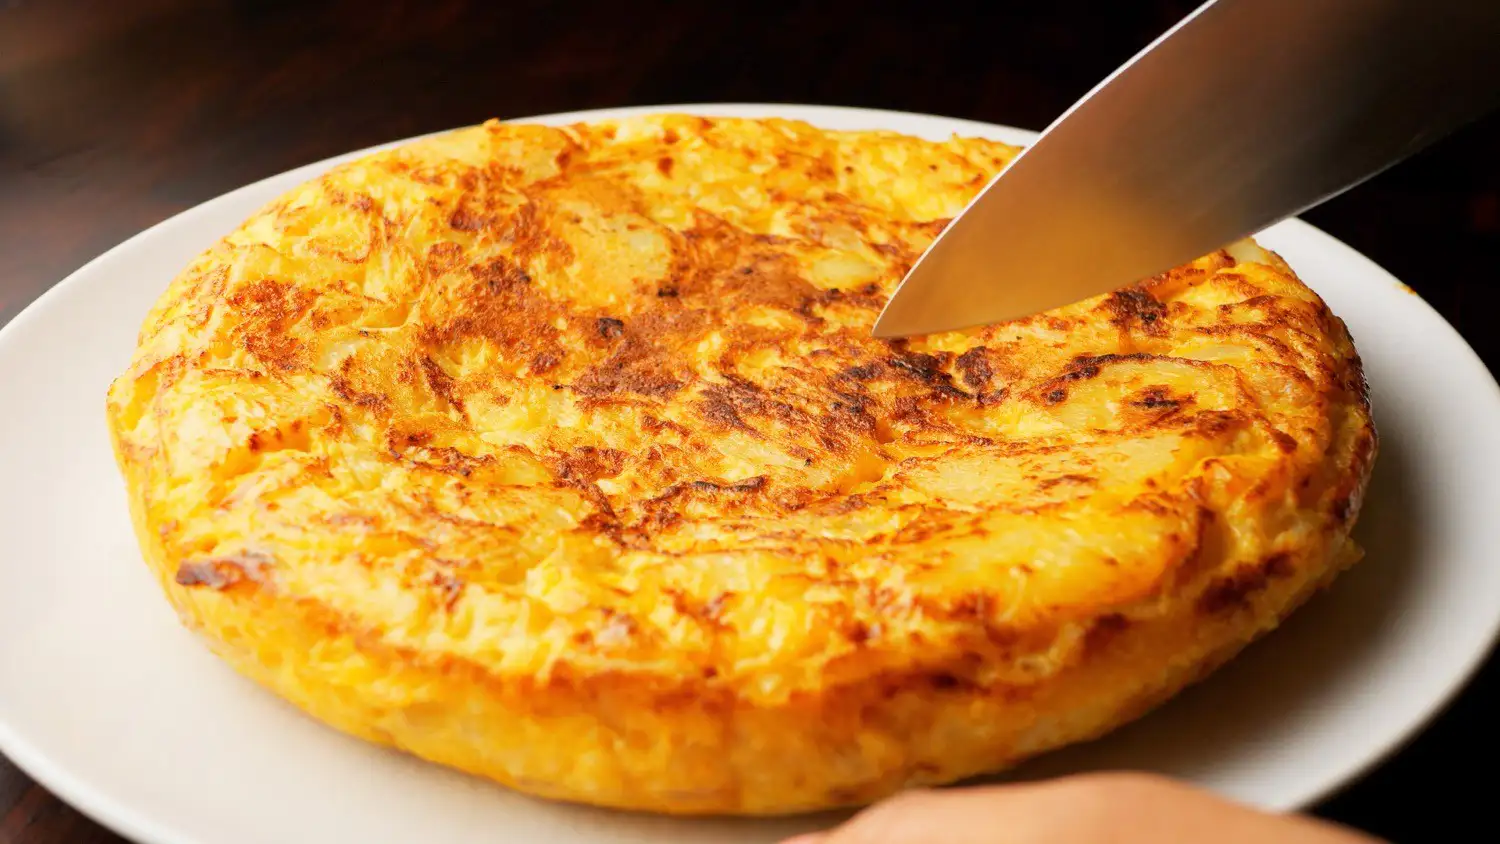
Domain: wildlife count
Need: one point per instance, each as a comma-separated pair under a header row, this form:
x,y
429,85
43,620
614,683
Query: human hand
x,y
1084,809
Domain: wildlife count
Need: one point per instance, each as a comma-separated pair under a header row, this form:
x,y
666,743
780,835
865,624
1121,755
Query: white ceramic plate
x,y
106,700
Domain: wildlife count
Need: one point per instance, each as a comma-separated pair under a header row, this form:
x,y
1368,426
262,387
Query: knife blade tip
x,y
887,327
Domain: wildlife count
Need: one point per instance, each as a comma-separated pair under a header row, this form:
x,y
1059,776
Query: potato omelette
x,y
563,456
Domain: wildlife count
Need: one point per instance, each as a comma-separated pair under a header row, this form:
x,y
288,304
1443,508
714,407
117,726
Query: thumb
x,y
1099,809
970,816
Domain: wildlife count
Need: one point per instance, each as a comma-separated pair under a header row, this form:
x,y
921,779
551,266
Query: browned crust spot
x,y
1235,591
221,573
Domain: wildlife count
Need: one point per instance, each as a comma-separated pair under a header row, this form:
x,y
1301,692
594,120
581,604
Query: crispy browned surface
x,y
565,457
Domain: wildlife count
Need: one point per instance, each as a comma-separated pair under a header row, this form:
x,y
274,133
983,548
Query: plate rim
x,y
119,816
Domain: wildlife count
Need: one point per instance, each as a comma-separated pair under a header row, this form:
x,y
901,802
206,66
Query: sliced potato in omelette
x,y
564,456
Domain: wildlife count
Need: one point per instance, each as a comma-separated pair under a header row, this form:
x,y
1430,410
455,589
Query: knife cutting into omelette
x,y
1208,135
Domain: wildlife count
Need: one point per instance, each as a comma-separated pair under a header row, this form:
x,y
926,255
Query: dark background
x,y
116,115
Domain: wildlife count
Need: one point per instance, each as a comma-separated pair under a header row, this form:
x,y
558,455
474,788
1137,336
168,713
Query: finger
x,y
1099,809
976,815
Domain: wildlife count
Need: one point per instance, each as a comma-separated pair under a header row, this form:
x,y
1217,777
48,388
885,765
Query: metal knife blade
x,y
1244,113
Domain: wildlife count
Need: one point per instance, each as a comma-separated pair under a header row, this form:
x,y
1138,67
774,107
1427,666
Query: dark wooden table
x,y
114,116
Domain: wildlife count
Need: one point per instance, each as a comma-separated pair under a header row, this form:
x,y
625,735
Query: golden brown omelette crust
x,y
564,456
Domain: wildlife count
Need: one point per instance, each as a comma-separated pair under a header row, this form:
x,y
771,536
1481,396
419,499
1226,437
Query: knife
x,y
1243,114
